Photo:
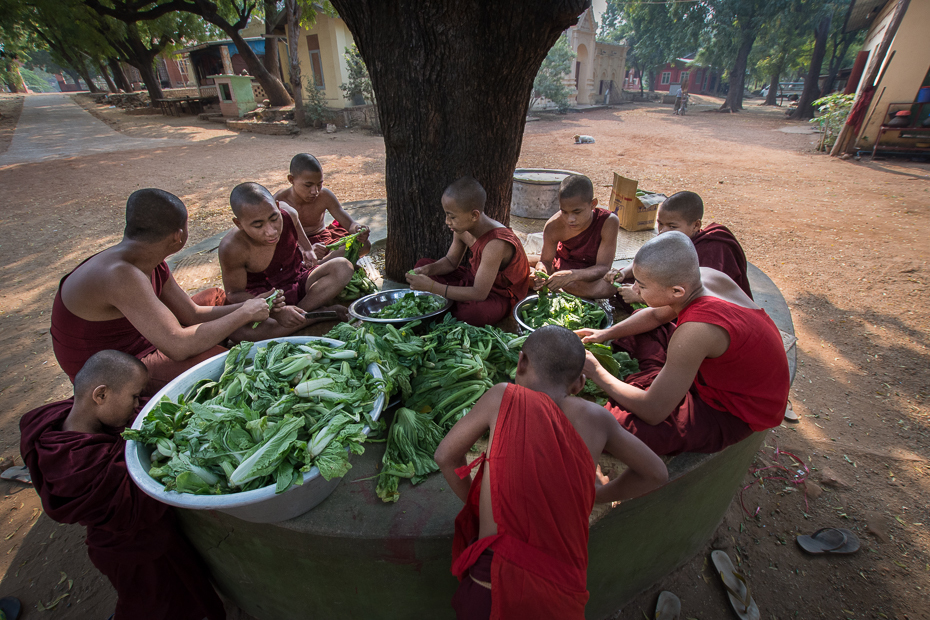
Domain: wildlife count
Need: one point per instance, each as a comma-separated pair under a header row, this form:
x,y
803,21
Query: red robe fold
x,y
75,340
580,252
718,249
542,492
131,538
510,285
286,270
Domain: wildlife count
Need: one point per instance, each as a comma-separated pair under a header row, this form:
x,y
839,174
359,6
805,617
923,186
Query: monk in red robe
x,y
124,298
521,541
579,243
498,274
716,246
77,461
269,250
711,381
311,200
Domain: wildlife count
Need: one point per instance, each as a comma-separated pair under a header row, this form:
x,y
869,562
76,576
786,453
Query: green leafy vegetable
x,y
270,300
358,286
562,309
619,364
411,305
352,244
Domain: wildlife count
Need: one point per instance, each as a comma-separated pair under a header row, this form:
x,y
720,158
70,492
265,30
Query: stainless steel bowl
x,y
364,308
531,300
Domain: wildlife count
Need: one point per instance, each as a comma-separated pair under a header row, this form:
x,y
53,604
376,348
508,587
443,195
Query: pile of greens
x,y
562,309
359,286
266,420
439,375
619,364
411,305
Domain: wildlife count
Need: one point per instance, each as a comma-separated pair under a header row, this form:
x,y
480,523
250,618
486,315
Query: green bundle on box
x,y
264,421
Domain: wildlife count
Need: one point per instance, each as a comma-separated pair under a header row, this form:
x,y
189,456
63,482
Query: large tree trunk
x,y
293,32
75,78
772,97
836,62
118,76
15,82
270,60
811,91
734,100
274,88
81,67
461,112
146,69
652,80
106,76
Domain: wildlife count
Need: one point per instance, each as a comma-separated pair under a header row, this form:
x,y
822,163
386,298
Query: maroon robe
x,y
718,249
286,270
510,285
131,538
580,252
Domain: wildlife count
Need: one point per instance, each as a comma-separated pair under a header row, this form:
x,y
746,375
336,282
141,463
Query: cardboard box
x,y
635,212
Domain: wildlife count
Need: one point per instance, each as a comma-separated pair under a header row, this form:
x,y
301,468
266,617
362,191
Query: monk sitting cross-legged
x,y
521,541
498,275
77,461
269,250
716,246
711,381
579,243
125,298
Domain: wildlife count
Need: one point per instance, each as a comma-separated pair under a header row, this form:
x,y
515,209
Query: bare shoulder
x,y
591,414
554,228
612,221
720,285
233,248
285,195
287,208
328,198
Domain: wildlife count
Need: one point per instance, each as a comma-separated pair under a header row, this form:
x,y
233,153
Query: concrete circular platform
x,y
355,557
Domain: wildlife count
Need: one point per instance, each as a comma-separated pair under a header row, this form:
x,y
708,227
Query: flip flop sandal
x,y
10,608
19,473
829,540
737,588
668,607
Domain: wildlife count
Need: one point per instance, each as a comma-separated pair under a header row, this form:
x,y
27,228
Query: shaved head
x,y
246,194
304,162
153,214
686,204
467,194
669,259
576,186
555,353
113,369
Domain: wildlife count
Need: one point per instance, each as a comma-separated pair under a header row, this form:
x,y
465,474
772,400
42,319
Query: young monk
x,y
77,461
716,246
125,298
269,250
521,541
311,201
498,275
710,382
579,243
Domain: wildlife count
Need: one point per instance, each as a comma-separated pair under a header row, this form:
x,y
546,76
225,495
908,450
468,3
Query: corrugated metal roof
x,y
862,12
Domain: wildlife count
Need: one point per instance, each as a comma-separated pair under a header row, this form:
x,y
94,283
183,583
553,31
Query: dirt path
x,y
847,243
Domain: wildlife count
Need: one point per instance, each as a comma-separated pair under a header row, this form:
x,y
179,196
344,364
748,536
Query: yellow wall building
x,y
322,58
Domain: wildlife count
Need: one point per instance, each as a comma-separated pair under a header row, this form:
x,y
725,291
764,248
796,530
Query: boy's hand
x,y
614,275
278,302
363,231
310,257
560,279
538,280
420,282
290,317
256,309
590,335
629,295
591,366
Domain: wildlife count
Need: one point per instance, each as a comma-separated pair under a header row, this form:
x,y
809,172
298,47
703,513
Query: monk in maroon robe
x,y
579,243
498,274
710,381
269,250
521,541
124,298
716,246
77,461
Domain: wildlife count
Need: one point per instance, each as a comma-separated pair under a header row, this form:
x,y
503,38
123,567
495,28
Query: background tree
x,y
271,13
549,81
230,16
778,49
822,20
453,82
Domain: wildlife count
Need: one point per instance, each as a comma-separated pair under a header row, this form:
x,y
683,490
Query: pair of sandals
x,y
669,606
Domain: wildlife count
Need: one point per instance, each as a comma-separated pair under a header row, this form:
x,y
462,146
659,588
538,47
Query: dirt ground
x,y
847,243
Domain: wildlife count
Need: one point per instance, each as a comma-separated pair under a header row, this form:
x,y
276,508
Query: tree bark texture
x,y
81,67
270,60
772,97
149,78
453,81
734,100
836,61
118,76
811,90
106,76
294,12
274,88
